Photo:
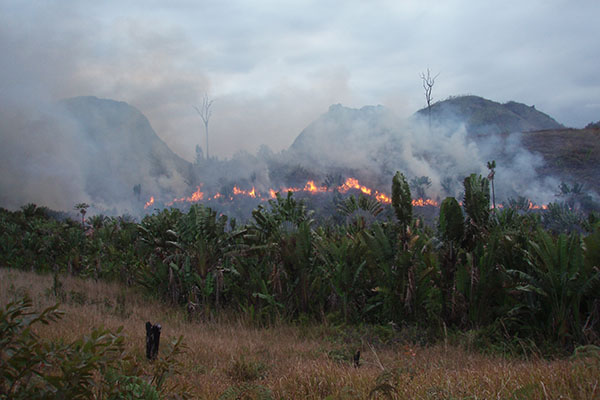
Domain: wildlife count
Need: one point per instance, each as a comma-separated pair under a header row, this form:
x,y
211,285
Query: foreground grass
x,y
232,359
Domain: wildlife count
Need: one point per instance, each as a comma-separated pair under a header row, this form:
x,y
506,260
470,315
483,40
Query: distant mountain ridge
x,y
482,116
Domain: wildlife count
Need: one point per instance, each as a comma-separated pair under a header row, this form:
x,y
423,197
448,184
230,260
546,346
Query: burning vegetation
x,y
349,186
310,188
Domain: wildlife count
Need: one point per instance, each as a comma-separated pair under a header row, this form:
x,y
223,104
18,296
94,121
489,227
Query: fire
x,y
312,188
194,198
352,183
251,193
149,202
424,202
536,207
383,198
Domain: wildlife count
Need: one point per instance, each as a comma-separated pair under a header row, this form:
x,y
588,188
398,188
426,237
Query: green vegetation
x,y
501,275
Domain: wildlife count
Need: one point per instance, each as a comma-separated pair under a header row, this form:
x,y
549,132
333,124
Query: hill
x,y
86,149
483,116
121,151
534,152
341,136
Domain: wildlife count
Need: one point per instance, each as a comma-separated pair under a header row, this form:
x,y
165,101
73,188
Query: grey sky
x,y
274,66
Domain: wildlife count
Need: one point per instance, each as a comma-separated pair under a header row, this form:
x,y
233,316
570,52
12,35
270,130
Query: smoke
x,y
40,158
373,143
51,52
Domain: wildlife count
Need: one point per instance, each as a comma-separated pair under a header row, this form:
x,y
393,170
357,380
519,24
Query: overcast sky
x,y
274,66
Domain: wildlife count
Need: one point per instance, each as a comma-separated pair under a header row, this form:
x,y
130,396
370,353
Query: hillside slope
x,y
571,154
483,116
122,150
534,152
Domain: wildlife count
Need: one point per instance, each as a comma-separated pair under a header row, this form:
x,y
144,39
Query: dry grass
x,y
299,362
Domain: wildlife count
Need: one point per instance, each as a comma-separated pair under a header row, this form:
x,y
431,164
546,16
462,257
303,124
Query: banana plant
x,y
282,234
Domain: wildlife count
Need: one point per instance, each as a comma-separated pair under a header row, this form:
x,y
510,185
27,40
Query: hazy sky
x,y
274,66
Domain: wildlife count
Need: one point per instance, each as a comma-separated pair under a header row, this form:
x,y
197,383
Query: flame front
x,y
194,198
312,188
309,187
424,202
352,183
251,193
149,202
383,198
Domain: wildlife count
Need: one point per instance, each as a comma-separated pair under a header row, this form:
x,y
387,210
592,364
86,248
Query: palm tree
x,y
492,167
82,208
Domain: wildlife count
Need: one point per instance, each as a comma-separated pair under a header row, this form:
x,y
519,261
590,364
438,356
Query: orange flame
x,y
194,198
149,202
533,206
383,198
311,187
424,202
237,191
352,183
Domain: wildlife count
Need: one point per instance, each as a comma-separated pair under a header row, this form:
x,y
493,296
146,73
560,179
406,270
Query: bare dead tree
x,y
428,82
205,111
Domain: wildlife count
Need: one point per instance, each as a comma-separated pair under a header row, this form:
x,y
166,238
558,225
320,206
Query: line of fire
x,y
310,188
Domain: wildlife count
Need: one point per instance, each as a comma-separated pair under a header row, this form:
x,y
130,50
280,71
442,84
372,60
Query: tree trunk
x,y
152,340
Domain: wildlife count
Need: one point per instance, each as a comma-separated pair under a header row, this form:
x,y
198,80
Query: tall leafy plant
x,y
451,232
558,284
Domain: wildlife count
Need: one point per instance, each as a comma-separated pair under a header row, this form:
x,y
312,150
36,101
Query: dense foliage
x,y
511,273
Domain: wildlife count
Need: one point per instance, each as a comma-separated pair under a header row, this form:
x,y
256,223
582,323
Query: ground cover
x,y
233,358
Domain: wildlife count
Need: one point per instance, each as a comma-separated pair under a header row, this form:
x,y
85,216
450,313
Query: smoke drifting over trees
x,y
106,153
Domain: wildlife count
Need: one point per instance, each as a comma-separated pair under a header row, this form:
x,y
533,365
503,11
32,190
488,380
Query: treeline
x,y
511,274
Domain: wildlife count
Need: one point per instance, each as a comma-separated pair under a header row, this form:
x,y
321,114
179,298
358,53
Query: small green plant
x,y
168,366
95,366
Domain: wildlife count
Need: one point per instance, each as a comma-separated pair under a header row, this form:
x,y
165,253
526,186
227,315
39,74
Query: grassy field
x,y
231,358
